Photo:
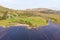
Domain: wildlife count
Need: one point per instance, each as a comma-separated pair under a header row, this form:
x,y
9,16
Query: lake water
x,y
49,32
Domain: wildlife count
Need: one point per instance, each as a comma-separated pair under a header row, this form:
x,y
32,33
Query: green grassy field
x,y
31,21
34,21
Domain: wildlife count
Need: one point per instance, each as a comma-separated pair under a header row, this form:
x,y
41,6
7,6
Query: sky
x,y
28,4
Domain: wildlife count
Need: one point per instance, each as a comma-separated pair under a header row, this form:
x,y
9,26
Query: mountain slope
x,y
32,17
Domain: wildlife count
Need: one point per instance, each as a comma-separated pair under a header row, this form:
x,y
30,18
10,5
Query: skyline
x,y
28,4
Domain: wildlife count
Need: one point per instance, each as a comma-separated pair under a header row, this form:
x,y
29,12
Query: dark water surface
x,y
50,32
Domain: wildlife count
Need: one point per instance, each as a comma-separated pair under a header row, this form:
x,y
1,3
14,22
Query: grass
x,y
55,17
34,21
31,21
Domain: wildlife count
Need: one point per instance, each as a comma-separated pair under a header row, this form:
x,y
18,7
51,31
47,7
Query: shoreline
x,y
26,25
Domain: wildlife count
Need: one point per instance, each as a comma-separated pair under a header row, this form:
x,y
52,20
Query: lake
x,y
49,32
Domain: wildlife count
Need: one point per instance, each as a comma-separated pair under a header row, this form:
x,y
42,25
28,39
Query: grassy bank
x,y
31,21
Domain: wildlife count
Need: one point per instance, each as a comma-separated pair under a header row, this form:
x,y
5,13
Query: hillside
x,y
32,17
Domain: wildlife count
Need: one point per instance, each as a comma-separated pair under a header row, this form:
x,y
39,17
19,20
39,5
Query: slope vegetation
x,y
32,17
